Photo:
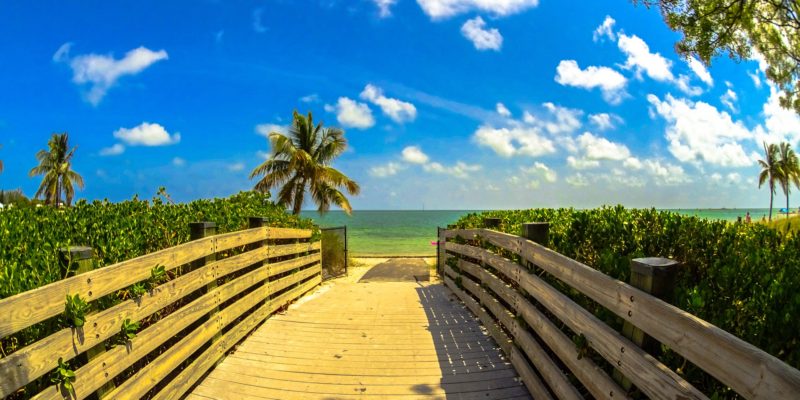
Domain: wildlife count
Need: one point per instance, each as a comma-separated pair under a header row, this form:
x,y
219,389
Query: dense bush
x,y
743,278
31,236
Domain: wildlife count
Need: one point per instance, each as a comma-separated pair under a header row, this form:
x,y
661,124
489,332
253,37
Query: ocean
x,y
375,233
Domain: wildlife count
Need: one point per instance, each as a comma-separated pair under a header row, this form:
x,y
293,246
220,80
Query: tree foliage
x,y
741,28
301,162
55,164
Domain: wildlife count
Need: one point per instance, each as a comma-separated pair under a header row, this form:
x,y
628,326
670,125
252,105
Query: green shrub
x,y
31,236
333,254
743,278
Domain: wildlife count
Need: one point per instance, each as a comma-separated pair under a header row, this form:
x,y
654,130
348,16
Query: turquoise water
x,y
411,232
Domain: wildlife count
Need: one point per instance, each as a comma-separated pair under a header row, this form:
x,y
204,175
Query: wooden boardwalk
x,y
377,340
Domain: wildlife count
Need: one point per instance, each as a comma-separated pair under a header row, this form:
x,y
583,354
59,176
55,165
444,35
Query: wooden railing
x,y
518,306
208,306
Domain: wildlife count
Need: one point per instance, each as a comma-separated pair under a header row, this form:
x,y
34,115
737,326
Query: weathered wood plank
x,y
119,358
727,358
226,241
288,265
288,233
31,362
599,384
151,374
531,380
294,248
191,374
25,309
551,373
647,373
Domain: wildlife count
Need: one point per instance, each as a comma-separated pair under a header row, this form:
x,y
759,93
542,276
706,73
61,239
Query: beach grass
x,y
786,225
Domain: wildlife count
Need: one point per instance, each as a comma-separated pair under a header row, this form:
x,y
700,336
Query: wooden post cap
x,y
256,222
491,222
654,266
202,229
536,232
76,253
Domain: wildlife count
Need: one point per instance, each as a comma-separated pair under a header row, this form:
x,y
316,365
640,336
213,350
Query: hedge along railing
x,y
509,292
220,301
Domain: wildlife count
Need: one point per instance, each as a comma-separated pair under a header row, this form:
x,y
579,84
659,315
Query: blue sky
x,y
450,104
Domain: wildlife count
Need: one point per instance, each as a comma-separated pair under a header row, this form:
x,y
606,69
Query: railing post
x,y
536,232
439,251
259,222
199,230
655,276
491,223
79,260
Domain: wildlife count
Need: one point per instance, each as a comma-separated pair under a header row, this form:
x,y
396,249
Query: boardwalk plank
x,y
379,339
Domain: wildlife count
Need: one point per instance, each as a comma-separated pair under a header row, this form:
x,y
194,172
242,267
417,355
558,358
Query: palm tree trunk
x,y
787,202
771,194
298,199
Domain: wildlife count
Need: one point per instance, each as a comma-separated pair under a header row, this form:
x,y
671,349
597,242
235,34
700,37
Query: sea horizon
x,y
375,233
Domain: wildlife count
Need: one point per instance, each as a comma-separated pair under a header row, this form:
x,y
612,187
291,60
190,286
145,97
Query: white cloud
x,y
541,170
640,59
263,154
605,121
384,7
666,174
459,170
528,118
482,38
599,148
507,142
582,163
682,82
756,79
390,169
567,120
729,100
399,111
414,155
236,167
311,98
352,114
116,149
577,180
632,163
502,110
147,134
101,72
266,129
610,82
606,29
258,23
698,132
178,162
439,9
780,124
700,70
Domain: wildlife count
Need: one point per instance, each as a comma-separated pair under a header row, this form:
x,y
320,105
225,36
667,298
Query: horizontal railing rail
x,y
211,304
514,303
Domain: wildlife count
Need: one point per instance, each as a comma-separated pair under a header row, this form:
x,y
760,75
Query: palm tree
x,y
770,171
56,166
790,171
301,161
1,161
